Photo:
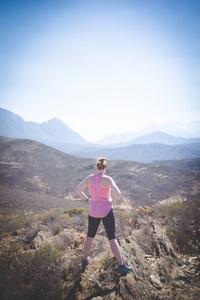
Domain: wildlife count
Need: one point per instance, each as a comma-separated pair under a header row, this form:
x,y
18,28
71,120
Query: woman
x,y
101,208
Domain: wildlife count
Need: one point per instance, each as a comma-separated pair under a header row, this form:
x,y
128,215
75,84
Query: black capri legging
x,y
108,222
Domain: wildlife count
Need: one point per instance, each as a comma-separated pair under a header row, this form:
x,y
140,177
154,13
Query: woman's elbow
x,y
118,194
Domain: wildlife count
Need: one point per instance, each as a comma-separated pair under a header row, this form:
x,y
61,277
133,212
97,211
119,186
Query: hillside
x,y
146,153
49,177
41,259
43,226
182,164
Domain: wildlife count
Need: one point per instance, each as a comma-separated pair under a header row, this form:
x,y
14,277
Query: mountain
x,y
190,130
146,153
148,148
119,138
158,138
163,138
53,133
35,176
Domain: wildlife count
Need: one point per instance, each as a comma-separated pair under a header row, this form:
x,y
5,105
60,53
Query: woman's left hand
x,y
110,201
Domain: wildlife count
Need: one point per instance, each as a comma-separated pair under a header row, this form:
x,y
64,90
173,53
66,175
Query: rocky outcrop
x,y
161,275
159,272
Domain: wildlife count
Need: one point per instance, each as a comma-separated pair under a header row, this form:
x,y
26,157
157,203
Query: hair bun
x,y
102,159
101,163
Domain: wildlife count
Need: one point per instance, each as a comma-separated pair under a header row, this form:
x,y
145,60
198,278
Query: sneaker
x,y
84,264
124,269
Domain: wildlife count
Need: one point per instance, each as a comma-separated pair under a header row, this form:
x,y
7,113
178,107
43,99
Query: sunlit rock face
x,y
159,274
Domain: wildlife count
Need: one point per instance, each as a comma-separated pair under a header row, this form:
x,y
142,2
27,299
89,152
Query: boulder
x,y
156,282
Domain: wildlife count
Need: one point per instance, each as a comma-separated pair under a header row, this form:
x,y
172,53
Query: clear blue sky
x,y
102,67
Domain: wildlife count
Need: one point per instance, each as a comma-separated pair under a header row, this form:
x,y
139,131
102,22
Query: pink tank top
x,y
99,205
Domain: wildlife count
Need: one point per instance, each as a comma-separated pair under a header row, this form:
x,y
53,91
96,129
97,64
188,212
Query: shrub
x,y
181,220
34,275
12,223
75,211
72,271
49,217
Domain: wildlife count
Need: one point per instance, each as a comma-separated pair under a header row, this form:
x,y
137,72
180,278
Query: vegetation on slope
x,y
33,246
35,176
43,226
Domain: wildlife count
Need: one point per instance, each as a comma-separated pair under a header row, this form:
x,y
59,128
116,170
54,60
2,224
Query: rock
x,y
179,284
69,235
156,282
163,244
193,259
162,275
43,237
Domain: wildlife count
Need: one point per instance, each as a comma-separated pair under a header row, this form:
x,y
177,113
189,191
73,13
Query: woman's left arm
x,y
115,191
79,190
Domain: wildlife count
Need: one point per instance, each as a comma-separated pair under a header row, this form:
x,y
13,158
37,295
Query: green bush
x,y
75,211
182,221
49,217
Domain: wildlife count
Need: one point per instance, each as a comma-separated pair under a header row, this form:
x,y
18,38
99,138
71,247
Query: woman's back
x,y
99,204
99,192
104,181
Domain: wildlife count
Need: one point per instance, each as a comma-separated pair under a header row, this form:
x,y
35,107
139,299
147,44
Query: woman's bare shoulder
x,y
108,178
90,179
91,175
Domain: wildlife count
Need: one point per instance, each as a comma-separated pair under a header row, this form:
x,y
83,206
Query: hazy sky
x,y
102,67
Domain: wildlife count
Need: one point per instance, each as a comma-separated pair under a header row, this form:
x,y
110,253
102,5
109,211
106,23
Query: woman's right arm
x,y
81,187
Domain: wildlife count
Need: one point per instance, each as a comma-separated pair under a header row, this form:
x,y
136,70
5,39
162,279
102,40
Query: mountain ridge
x,y
163,138
146,153
158,137
190,130
58,135
52,132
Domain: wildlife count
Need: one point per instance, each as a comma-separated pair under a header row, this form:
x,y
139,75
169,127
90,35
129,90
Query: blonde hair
x,y
101,163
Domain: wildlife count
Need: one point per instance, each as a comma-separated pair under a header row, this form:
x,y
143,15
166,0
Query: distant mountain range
x,y
146,153
156,137
190,130
54,133
148,148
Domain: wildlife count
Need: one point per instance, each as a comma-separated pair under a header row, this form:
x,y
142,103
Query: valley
x,y
32,168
